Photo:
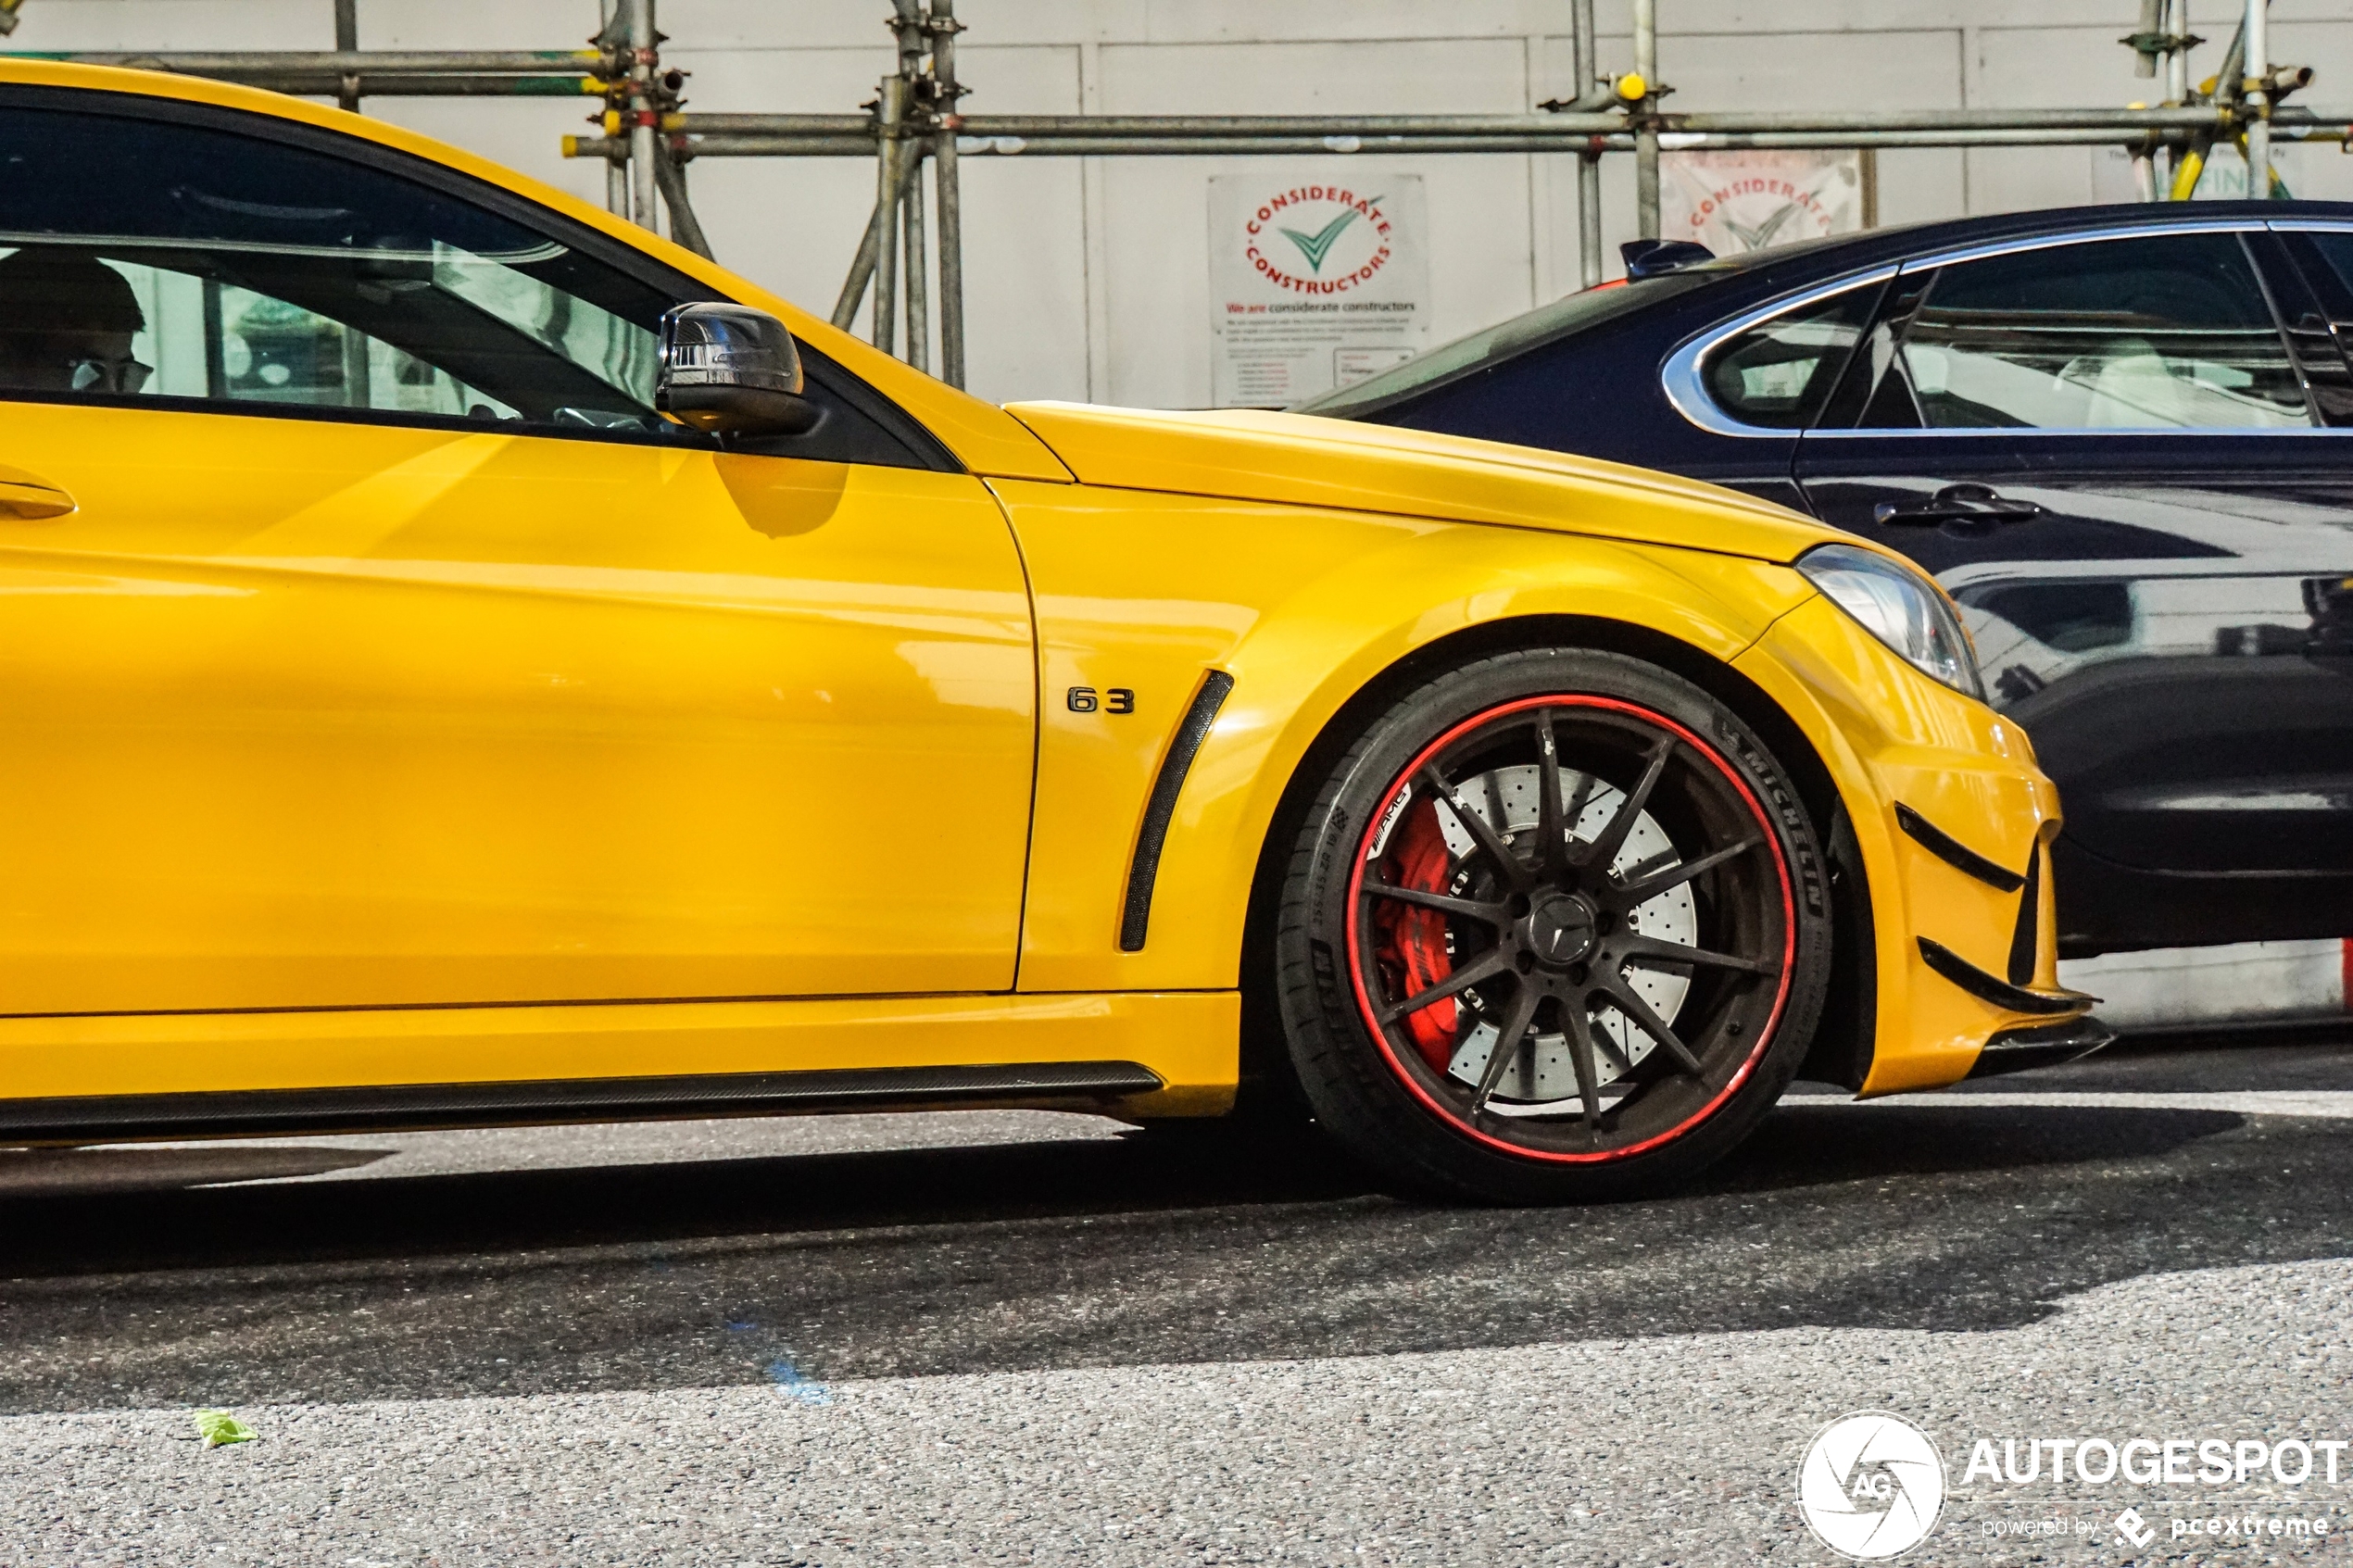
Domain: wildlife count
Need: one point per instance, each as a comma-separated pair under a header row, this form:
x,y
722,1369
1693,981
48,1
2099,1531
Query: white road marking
x,y
2333,1104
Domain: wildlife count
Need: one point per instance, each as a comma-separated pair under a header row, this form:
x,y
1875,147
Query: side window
x,y
153,259
198,337
2162,332
2334,250
1776,374
2311,272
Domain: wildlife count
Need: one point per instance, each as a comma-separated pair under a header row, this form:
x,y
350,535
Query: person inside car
x,y
67,321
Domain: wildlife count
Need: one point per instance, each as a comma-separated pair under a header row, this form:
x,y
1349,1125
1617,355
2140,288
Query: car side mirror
x,y
729,370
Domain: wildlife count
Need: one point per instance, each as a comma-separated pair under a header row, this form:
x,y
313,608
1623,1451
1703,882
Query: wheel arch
x,y
1847,1019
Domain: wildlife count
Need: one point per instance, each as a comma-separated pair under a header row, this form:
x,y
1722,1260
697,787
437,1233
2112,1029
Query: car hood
x,y
1248,454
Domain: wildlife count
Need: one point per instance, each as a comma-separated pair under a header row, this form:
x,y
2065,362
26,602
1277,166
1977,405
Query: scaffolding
x,y
648,139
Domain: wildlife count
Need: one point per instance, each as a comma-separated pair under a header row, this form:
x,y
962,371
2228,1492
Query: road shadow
x,y
2295,1056
1825,1142
1931,1214
35,1175
127,1208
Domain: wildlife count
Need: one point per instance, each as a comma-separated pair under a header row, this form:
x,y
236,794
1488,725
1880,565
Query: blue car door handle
x,y
1958,503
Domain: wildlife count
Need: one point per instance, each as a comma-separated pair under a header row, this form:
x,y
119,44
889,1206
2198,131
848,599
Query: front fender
x,y
1305,607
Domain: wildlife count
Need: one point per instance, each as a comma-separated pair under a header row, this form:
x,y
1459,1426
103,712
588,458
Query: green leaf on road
x,y
218,1427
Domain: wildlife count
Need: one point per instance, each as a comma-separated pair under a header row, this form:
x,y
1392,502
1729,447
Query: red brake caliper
x,y
1414,939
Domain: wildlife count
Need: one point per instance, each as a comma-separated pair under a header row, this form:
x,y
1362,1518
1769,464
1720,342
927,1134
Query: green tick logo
x,y
1317,245
1761,236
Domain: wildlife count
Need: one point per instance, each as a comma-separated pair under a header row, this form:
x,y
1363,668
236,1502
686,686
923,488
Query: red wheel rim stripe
x,y
1355,902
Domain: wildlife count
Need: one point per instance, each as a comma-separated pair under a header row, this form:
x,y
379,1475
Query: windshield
x,y
1577,312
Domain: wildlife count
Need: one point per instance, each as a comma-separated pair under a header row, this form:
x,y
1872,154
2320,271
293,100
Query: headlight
x,y
1901,608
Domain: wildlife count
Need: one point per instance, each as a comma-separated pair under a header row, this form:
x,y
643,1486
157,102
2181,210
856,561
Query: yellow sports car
x,y
464,660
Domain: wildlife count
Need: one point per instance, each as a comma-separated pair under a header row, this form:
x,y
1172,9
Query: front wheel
x,y
1553,929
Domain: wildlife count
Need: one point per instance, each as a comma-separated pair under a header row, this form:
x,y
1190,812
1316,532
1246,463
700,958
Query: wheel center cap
x,y
1559,929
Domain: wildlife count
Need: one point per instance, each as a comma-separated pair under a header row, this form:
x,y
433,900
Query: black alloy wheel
x,y
1554,929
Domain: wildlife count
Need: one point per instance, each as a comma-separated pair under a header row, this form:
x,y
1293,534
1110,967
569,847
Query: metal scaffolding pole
x,y
2190,160
1646,105
861,267
348,43
670,177
913,33
2147,45
642,117
357,387
715,136
949,192
1588,219
2258,99
2177,76
1014,134
1586,60
616,172
2120,123
2144,39
916,265
890,108
372,73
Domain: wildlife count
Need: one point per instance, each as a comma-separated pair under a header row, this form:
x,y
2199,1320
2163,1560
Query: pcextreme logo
x,y
1315,220
1870,1485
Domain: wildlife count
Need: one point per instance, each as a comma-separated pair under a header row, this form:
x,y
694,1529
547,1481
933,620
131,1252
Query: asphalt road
x,y
1013,1337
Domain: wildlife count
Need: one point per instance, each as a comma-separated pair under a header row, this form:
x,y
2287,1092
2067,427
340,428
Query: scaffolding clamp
x,y
2155,44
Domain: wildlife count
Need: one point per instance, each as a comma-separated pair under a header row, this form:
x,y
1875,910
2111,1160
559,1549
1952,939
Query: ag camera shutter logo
x,y
1871,1487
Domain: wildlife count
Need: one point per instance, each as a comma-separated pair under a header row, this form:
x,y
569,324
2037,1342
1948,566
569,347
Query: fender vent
x,y
1953,853
1136,919
1994,988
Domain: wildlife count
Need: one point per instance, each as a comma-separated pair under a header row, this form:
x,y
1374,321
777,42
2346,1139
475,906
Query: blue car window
x,y
2336,250
1776,374
1491,347
2150,332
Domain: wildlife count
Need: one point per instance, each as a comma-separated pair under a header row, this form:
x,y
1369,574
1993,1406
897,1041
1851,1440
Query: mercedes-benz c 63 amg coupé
x,y
467,661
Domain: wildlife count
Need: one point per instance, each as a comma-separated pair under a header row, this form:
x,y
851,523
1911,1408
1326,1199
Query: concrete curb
x,y
2172,987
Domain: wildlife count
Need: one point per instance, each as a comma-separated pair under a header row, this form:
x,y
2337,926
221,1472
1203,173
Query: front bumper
x,y
1953,822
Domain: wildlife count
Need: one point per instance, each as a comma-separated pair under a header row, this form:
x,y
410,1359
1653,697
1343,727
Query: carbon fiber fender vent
x,y
1135,918
1953,853
1994,988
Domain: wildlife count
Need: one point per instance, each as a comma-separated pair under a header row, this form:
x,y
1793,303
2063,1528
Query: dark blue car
x,y
2121,437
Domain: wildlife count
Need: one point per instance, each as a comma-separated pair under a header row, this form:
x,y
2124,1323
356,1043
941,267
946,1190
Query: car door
x,y
367,640
2104,449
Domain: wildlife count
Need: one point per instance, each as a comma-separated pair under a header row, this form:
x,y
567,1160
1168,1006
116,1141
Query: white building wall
x,y
1090,278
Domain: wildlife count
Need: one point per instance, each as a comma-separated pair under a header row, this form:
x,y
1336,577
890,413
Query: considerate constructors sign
x,y
1316,281
1733,202
1285,272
